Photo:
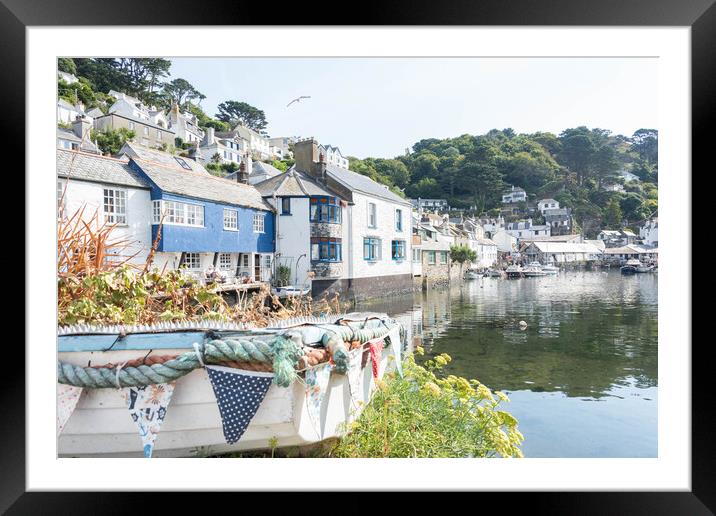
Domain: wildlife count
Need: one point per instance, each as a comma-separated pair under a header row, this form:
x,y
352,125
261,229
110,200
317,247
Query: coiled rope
x,y
284,354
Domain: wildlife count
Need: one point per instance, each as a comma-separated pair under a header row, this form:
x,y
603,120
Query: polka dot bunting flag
x,y
239,394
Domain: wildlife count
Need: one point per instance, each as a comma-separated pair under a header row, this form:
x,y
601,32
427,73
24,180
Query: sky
x,y
378,107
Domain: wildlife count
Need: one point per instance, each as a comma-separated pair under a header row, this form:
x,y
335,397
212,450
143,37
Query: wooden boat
x,y
100,425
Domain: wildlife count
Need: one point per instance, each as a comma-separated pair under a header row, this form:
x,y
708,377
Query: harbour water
x,y
582,376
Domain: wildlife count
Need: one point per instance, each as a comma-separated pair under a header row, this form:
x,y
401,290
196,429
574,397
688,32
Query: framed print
x,y
425,242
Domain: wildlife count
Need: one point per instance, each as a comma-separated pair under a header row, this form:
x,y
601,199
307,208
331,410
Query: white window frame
x,y
398,219
177,213
131,126
231,219
258,223
225,261
187,257
61,194
118,213
372,215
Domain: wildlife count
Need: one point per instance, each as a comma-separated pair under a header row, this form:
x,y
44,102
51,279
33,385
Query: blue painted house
x,y
205,220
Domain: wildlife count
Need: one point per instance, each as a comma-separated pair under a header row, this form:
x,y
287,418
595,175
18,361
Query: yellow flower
x,y
431,389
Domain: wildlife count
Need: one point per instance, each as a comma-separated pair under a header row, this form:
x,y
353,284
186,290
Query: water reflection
x,y
590,337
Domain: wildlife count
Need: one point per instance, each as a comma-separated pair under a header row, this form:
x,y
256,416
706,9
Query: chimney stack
x,y
242,176
81,127
209,135
305,152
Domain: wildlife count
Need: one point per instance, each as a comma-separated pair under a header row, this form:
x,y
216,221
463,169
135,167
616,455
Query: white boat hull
x,y
101,425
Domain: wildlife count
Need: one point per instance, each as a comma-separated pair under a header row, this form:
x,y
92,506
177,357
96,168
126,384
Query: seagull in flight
x,y
298,99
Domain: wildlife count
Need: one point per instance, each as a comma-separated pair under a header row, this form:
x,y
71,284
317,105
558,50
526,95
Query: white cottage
x,y
339,230
110,190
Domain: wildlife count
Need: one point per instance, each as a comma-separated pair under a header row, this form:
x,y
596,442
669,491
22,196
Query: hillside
x,y
581,168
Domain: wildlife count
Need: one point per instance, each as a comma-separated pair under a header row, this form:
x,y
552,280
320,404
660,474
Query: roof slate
x,y
169,176
96,168
363,184
292,183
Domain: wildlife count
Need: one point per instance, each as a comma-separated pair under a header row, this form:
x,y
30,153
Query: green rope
x,y
281,352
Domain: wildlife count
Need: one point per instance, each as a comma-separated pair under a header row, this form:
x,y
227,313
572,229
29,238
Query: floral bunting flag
x,y
394,338
67,398
147,406
239,394
355,368
317,379
376,352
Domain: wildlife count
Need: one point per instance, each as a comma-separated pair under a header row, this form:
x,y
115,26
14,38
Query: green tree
x,y
646,143
234,112
110,142
66,64
613,214
180,92
462,254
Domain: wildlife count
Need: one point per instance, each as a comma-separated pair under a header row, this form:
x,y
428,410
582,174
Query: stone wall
x,y
324,229
359,289
327,269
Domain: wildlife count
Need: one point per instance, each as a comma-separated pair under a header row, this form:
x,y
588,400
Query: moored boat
x,y
550,269
631,267
102,360
514,271
533,270
473,274
291,291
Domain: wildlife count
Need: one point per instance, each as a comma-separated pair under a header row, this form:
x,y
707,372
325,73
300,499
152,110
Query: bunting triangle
x,y
395,344
355,368
239,394
317,379
67,398
376,352
147,406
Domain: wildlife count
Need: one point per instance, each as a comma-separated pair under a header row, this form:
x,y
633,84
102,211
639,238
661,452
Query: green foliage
x,y
66,64
180,92
425,414
280,165
235,112
125,296
111,141
573,167
613,214
283,275
462,254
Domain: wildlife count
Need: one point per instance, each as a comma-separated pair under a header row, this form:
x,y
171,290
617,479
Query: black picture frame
x,y
700,15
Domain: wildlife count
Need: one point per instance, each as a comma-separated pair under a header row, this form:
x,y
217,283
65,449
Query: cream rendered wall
x,y
357,228
139,213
